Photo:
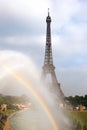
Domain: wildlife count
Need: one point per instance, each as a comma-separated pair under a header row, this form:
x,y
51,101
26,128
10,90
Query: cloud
x,y
22,17
23,28
24,8
19,17
74,79
63,11
81,14
72,39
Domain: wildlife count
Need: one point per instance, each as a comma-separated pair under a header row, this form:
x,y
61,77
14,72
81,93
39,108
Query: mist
x,y
19,75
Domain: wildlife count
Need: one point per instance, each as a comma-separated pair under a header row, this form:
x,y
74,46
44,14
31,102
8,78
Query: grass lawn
x,y
80,116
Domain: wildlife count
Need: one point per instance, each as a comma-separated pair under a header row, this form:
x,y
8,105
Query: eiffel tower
x,y
48,67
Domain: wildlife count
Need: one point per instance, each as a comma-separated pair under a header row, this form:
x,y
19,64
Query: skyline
x,y
23,29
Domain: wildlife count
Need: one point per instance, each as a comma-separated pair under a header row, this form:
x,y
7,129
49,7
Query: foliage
x,y
3,119
77,100
10,100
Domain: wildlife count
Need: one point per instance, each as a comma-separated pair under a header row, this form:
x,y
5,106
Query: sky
x,y
23,29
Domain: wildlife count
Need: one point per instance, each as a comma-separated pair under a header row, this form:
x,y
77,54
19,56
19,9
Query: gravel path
x,y
6,126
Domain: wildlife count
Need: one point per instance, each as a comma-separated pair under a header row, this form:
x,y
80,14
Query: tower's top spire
x,y
48,19
48,11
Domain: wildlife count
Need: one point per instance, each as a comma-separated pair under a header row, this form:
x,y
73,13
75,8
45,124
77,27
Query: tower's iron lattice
x,y
48,67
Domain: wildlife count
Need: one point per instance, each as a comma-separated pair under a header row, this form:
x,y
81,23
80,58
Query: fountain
x,y
19,75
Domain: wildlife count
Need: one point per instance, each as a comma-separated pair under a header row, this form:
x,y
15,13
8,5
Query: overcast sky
x,y
23,29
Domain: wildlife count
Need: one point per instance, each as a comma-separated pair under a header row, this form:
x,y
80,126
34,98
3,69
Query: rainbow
x,y
39,98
